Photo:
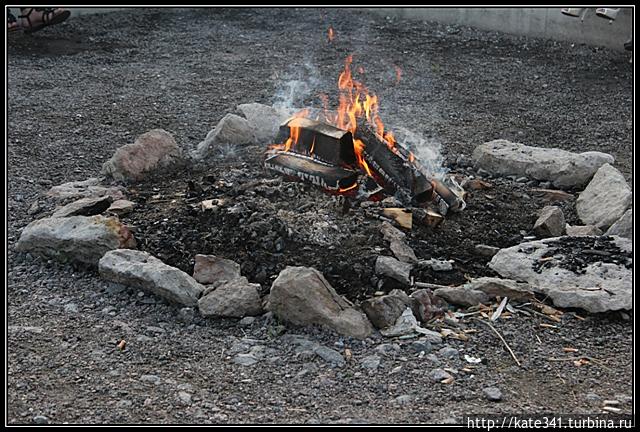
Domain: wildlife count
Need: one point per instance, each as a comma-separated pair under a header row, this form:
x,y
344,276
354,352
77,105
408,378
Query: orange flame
x,y
332,34
347,189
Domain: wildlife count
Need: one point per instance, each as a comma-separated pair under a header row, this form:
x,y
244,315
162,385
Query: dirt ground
x,y
78,91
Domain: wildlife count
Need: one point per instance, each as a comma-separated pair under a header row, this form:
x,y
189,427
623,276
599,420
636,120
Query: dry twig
x,y
502,339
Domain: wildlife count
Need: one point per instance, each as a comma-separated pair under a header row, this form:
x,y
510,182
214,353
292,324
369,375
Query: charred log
x,y
330,177
323,141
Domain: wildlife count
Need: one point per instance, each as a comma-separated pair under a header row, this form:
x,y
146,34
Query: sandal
x,y
49,16
12,23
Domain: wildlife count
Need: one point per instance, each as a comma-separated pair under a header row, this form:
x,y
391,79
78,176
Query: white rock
x,y
602,287
264,120
88,206
141,270
121,207
623,226
232,130
237,298
83,239
214,270
585,230
564,169
605,199
151,151
550,222
86,188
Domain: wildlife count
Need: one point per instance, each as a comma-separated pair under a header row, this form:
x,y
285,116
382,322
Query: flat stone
x,y
437,265
371,362
605,199
564,169
245,360
83,239
83,189
184,397
601,287
40,419
403,251
141,270
383,311
153,379
462,296
406,324
585,230
89,206
496,287
550,222
391,233
449,352
438,375
152,151
329,355
421,345
236,299
302,296
486,250
120,207
623,227
394,269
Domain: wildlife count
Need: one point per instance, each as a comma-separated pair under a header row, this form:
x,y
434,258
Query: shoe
x,y
608,13
572,12
41,18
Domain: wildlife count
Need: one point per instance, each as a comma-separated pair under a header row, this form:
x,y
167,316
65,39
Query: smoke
x,y
297,86
428,151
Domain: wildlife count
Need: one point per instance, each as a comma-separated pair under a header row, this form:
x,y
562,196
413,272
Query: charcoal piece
x,y
330,177
323,141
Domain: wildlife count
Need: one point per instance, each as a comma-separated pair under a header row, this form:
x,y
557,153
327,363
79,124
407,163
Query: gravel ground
x,y
78,91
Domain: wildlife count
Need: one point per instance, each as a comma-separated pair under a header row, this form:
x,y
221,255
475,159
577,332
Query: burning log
x,y
398,175
325,142
330,177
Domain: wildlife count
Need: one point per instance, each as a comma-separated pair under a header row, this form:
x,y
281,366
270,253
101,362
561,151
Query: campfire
x,y
350,152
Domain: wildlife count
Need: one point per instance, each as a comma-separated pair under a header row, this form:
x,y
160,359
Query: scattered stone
x,y
449,352
438,375
426,305
302,296
550,222
83,239
391,233
605,199
245,360
151,151
264,120
329,355
184,397
586,230
141,270
89,206
71,308
186,314
421,345
121,207
153,379
564,169
492,393
247,321
405,324
232,131
236,299
404,399
394,269
371,362
486,250
496,287
623,227
388,349
383,311
34,208
124,404
213,270
40,419
437,265
462,296
83,189
403,252
592,273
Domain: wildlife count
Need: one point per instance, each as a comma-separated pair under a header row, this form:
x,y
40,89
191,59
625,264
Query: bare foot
x,y
34,19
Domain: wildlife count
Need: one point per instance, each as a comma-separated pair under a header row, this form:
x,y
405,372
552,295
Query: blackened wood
x,y
327,143
330,177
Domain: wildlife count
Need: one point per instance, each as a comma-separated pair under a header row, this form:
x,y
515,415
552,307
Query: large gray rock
x,y
394,269
89,206
237,298
302,296
150,152
550,222
83,239
623,226
141,270
213,270
232,130
264,120
383,311
605,199
564,169
86,188
601,287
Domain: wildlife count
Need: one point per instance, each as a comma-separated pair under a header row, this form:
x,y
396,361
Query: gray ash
x,y
576,253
